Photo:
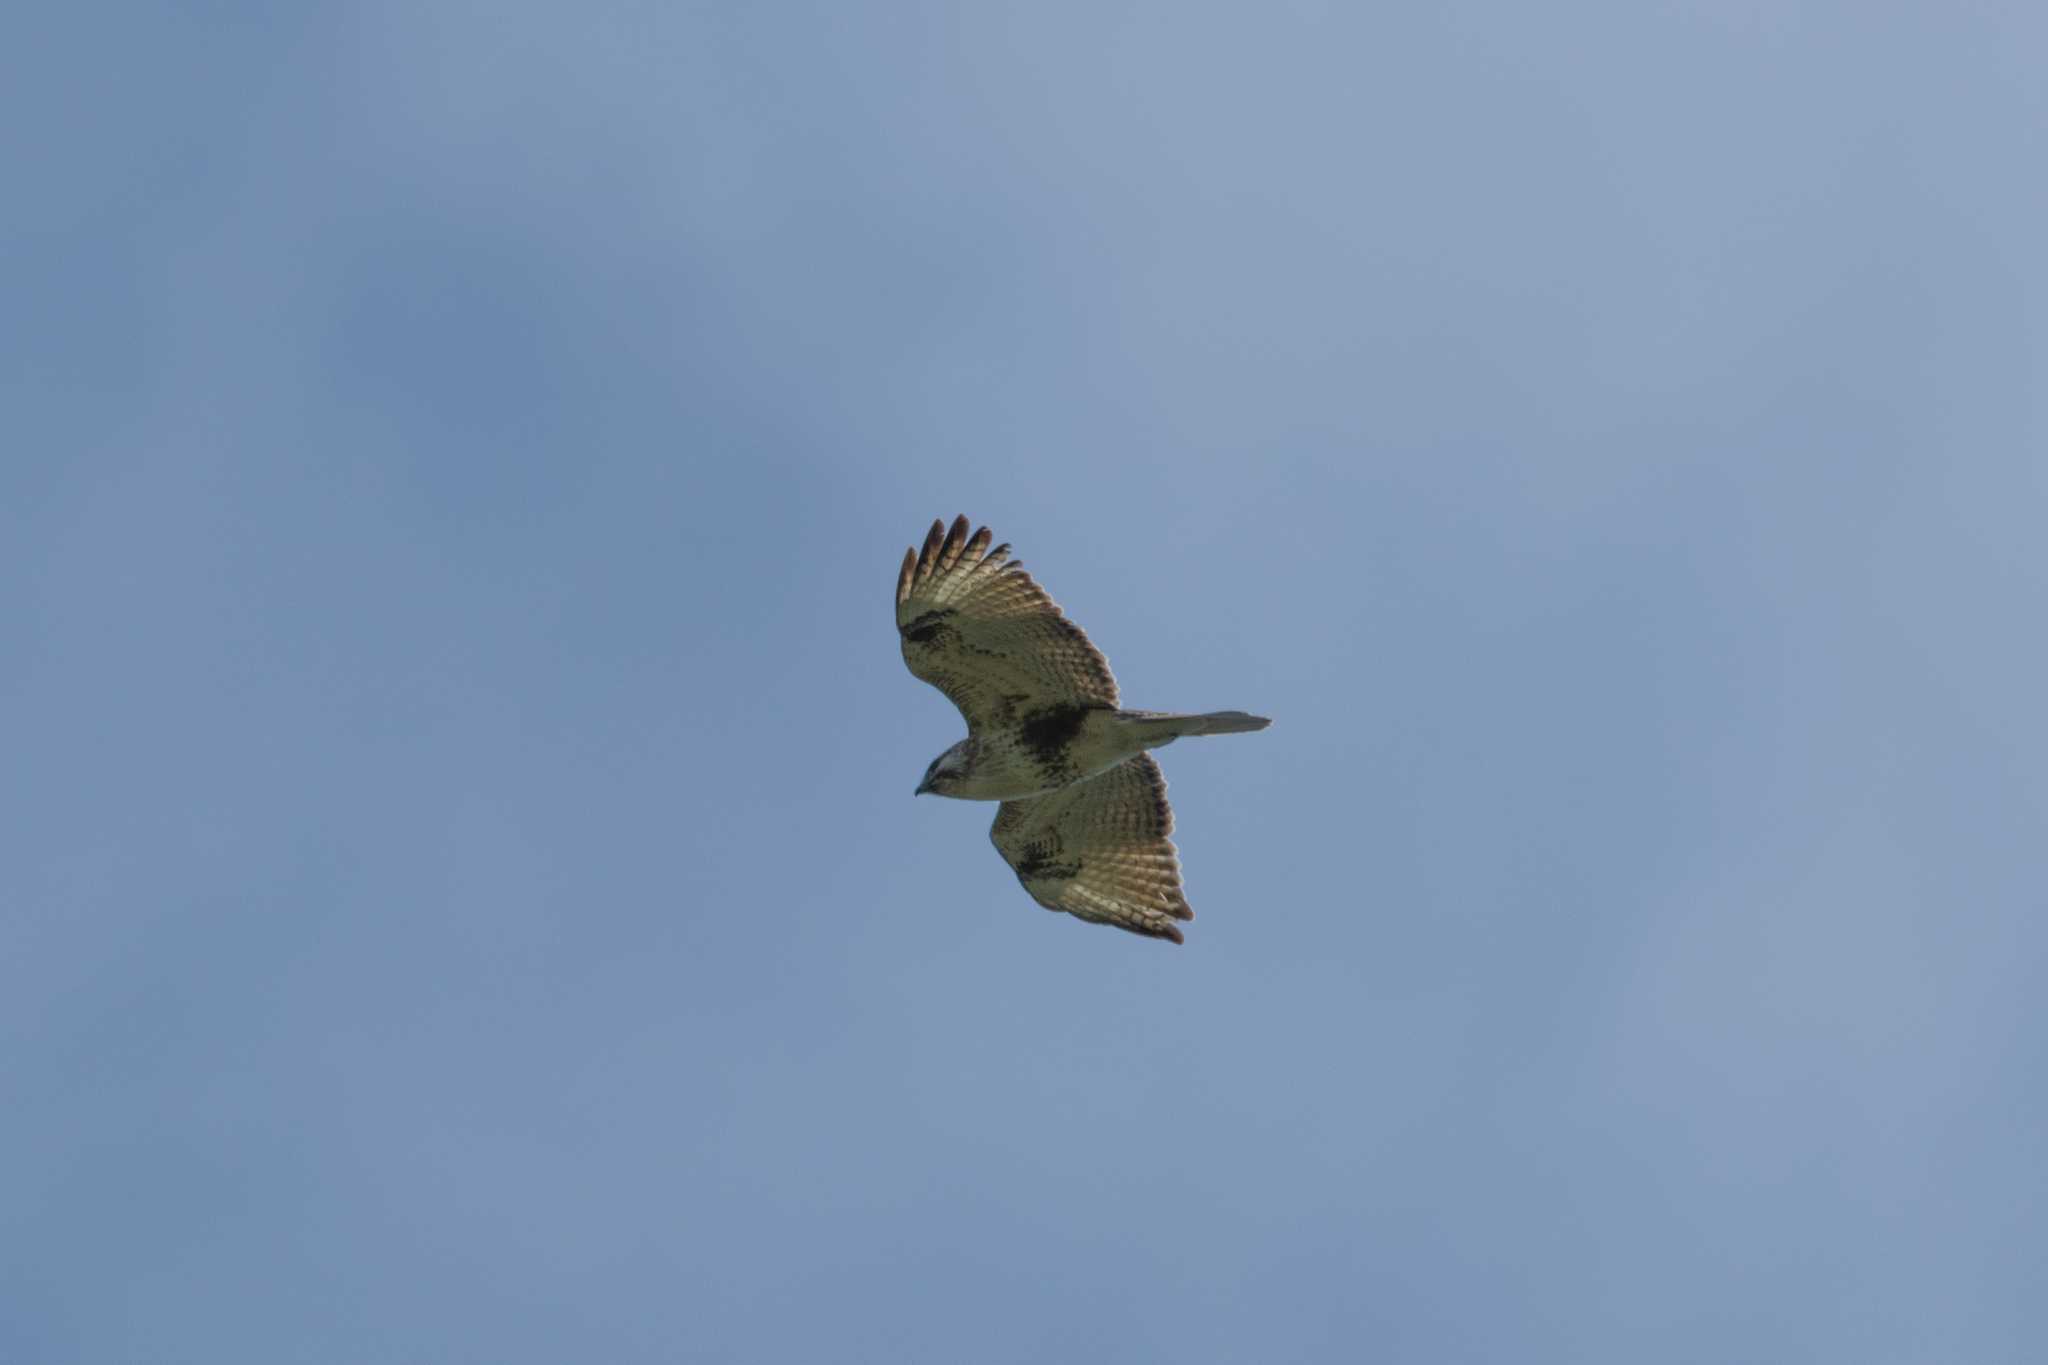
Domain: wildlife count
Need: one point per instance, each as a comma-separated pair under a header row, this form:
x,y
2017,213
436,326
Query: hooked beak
x,y
923,785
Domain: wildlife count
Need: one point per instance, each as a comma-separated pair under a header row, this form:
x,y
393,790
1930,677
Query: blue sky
x,y
462,897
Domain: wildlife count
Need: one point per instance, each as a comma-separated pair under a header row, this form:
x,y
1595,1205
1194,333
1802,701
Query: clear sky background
x,y
463,898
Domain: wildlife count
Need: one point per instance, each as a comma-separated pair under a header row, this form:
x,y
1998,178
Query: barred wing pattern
x,y
975,626
1099,850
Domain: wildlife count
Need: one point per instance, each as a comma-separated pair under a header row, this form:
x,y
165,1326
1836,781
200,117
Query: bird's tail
x,y
1158,728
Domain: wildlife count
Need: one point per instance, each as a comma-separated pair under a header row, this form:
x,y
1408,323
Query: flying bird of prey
x,y
1084,820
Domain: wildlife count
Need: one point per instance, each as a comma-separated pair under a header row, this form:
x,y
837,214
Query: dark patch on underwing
x,y
1049,732
1041,864
927,629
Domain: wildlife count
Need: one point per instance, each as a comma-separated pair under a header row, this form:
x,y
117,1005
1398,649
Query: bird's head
x,y
947,770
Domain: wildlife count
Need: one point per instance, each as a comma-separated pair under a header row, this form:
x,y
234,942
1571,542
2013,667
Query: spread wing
x,y
1098,850
976,627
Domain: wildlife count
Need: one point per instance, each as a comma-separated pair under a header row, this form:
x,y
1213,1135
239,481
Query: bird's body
x,y
1029,752
1084,819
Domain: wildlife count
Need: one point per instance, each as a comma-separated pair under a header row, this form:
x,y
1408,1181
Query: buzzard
x,y
1084,819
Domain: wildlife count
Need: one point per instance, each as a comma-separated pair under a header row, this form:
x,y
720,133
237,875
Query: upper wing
x,y
976,627
1098,850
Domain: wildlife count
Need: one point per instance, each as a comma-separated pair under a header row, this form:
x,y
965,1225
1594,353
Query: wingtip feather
x,y
927,557
955,542
906,575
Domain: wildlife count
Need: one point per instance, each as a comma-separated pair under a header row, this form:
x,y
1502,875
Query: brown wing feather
x,y
1099,850
975,626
